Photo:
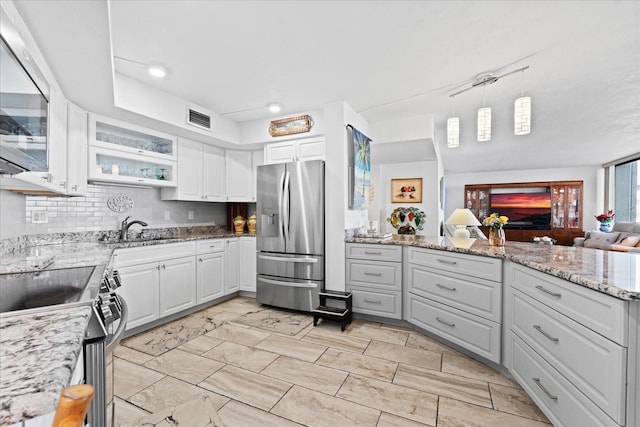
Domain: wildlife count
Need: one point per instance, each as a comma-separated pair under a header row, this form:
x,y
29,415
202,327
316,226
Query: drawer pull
x,y
366,273
546,334
370,301
446,261
547,291
452,325
539,384
445,287
373,253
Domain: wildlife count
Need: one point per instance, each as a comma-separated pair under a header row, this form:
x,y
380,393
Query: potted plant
x,y
606,221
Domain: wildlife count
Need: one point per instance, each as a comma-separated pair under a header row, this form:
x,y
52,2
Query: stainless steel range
x,y
43,290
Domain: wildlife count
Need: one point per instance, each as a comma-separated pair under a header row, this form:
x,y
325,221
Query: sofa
x,y
625,237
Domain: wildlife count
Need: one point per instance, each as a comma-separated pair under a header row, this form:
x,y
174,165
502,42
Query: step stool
x,y
344,315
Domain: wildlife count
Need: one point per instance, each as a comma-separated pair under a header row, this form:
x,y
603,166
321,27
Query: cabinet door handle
x,y
373,253
547,291
446,261
141,180
141,151
164,266
158,267
371,301
74,188
452,325
366,273
63,184
546,334
543,388
445,287
199,259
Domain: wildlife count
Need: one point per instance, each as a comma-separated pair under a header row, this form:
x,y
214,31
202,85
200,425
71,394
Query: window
x,y
624,188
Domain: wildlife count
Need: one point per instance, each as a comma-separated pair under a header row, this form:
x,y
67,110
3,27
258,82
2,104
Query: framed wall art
x,y
406,190
291,125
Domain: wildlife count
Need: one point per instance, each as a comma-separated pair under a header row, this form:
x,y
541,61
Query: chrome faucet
x,y
124,230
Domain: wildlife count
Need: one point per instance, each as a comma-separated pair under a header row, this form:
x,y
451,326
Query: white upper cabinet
x,y
130,154
258,160
201,173
77,136
294,151
240,187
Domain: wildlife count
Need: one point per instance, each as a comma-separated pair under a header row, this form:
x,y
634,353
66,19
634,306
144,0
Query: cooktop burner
x,y
32,290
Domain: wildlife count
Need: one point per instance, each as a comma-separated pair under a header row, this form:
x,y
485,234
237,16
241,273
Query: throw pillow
x,y
630,240
600,240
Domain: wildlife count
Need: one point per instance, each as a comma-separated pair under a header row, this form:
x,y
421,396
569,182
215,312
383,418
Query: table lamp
x,y
461,218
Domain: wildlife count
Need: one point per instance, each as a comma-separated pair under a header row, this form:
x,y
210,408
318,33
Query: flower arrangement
x,y
606,217
495,221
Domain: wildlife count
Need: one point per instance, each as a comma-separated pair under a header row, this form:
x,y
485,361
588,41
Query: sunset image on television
x,y
529,208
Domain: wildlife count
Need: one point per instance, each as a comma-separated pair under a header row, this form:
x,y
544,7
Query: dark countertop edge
x,y
498,252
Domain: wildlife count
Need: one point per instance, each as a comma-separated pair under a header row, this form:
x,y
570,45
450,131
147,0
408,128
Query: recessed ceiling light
x,y
274,108
157,71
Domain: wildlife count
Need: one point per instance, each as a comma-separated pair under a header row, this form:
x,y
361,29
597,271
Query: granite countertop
x,y
39,351
609,272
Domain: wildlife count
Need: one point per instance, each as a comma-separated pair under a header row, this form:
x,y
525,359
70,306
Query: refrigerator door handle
x,y
291,284
286,201
280,204
276,258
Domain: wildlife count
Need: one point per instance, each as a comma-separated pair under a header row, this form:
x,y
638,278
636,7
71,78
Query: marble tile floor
x,y
371,374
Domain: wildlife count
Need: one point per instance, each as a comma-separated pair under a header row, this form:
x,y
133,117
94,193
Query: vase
x,y
606,226
496,237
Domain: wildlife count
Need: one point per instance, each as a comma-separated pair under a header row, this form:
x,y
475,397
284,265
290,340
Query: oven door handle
x,y
117,335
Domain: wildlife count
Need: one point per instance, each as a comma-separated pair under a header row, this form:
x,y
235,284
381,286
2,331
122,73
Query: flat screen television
x,y
526,211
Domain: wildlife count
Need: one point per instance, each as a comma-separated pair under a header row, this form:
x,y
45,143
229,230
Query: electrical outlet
x,y
39,217
167,215
190,215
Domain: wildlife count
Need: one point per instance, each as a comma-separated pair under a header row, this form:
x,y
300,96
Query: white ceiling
x,y
386,59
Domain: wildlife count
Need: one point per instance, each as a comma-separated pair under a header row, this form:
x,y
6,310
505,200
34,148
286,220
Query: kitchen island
x,y
562,321
613,273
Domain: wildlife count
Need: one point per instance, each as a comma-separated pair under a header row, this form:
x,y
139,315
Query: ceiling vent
x,y
198,119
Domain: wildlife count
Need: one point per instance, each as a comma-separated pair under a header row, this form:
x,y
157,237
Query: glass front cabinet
x,y
129,154
566,205
476,198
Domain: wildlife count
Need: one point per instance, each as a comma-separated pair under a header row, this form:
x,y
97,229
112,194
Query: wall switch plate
x,y
39,217
167,215
190,214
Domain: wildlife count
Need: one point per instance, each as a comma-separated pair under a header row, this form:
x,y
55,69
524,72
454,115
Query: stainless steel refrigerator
x,y
290,234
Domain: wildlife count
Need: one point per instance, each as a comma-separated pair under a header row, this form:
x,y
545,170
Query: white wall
x,y
592,177
382,206
257,131
337,217
132,95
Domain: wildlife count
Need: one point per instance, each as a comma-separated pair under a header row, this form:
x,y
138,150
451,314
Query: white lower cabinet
x,y
232,282
568,348
157,281
177,285
247,264
141,292
457,297
211,270
374,277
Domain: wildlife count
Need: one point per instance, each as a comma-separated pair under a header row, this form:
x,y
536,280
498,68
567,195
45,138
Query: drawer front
x,y
374,252
133,256
595,365
479,297
470,265
377,303
602,313
560,401
474,333
374,274
210,245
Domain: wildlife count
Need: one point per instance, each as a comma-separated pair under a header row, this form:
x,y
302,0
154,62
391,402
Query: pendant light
x,y
453,128
522,113
484,120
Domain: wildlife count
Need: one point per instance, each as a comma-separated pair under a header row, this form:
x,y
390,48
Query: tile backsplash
x,y
19,214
